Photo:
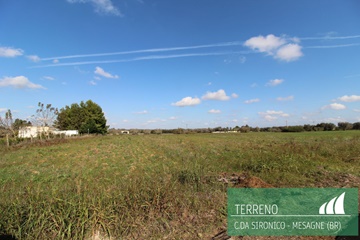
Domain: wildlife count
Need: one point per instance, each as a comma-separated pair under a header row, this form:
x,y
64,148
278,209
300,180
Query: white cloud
x,y
55,61
97,78
92,83
10,52
234,95
101,6
187,101
214,111
270,118
274,82
265,44
289,52
101,72
252,100
271,115
49,78
356,110
219,95
3,109
19,82
289,98
142,112
352,98
334,106
173,118
278,47
34,58
242,59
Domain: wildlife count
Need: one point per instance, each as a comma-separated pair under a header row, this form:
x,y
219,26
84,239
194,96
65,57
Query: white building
x,y
33,132
67,133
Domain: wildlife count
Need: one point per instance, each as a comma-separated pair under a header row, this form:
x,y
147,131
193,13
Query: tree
x,y
345,126
45,115
356,126
326,126
7,123
85,117
18,123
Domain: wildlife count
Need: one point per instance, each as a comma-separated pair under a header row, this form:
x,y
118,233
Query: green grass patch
x,y
151,186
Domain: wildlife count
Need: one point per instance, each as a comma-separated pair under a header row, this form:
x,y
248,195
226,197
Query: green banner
x,y
292,211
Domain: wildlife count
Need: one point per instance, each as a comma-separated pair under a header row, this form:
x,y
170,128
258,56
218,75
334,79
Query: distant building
x,y
33,132
67,133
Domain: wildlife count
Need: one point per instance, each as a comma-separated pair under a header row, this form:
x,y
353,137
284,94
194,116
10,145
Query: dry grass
x,y
157,186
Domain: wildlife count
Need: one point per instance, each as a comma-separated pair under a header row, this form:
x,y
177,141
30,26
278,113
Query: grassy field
x,y
157,186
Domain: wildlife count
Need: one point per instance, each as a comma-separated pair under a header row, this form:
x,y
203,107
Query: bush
x,y
293,129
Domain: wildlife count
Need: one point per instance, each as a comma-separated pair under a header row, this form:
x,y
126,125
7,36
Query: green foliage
x,y
293,129
356,126
85,117
345,126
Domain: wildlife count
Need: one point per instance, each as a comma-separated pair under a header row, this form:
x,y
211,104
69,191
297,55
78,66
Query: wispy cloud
x,y
10,52
234,95
34,58
99,71
289,98
101,6
271,115
274,82
152,50
330,37
335,46
279,47
93,83
49,78
19,82
252,101
142,112
151,57
214,111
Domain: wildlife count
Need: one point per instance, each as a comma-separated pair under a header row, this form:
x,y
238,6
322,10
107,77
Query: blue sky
x,y
169,64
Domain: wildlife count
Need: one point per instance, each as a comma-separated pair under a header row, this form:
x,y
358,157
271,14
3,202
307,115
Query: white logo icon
x,y
334,206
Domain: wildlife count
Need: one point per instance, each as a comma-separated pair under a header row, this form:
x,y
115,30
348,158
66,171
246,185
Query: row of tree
x,y
247,128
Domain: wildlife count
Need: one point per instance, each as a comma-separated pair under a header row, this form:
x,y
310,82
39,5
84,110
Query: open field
x,y
158,186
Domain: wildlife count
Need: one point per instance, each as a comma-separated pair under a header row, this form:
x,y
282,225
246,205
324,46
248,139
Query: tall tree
x,y
86,117
45,115
7,122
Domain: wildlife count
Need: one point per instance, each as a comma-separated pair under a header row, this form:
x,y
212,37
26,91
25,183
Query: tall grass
x,y
155,186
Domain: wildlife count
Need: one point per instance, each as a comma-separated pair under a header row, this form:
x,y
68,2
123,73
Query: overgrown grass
x,y
155,186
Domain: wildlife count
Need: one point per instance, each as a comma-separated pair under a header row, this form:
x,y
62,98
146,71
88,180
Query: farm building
x,y
67,133
33,132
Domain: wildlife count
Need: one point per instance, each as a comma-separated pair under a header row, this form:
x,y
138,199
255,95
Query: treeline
x,y
244,129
